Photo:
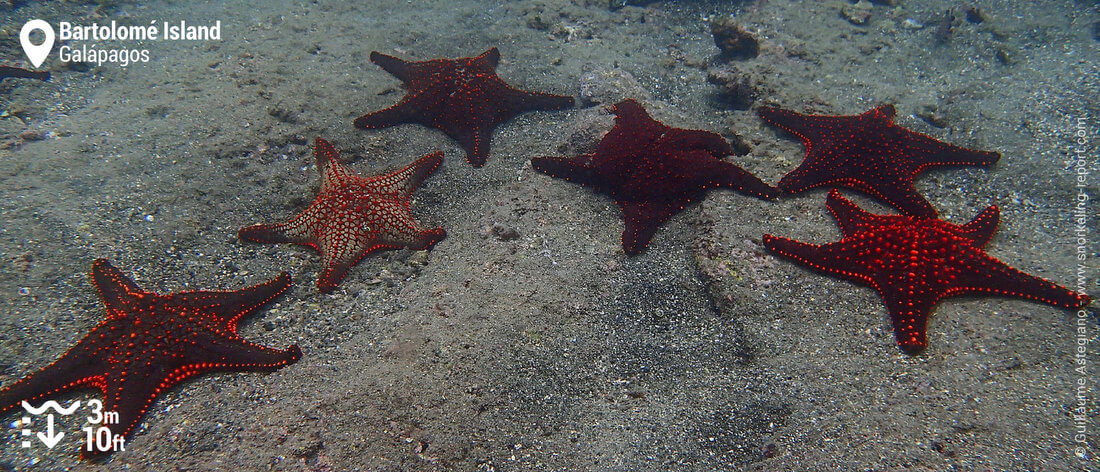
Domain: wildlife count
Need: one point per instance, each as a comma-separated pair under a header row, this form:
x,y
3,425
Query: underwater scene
x,y
549,235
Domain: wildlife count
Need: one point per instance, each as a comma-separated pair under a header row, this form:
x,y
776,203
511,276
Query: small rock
x,y
933,117
600,84
500,232
735,87
946,27
11,126
974,14
418,258
32,135
734,41
586,130
857,14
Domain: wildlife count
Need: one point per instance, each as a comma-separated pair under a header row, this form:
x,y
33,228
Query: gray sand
x,y
552,350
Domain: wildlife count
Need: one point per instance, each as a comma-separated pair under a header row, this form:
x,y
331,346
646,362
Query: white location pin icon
x,y
36,53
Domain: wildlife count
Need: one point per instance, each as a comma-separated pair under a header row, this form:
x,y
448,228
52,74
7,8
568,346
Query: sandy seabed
x,y
527,339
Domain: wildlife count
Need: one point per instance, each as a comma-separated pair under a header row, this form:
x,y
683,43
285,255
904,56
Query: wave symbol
x,y
51,405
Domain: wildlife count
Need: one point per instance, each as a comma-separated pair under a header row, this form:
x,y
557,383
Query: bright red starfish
x,y
353,216
868,153
653,170
914,262
150,342
462,97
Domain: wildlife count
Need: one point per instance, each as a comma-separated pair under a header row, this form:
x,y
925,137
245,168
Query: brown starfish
x,y
653,171
463,98
868,153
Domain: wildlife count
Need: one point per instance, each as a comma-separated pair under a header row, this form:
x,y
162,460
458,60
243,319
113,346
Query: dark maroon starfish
x,y
914,262
462,97
868,153
150,342
652,171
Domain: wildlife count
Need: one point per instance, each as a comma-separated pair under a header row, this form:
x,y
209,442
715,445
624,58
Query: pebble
x,y
912,24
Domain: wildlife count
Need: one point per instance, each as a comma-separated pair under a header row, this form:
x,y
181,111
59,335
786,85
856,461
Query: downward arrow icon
x,y
48,438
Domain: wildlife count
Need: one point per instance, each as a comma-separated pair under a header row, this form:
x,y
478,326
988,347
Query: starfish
x,y
868,153
652,171
463,98
914,262
353,216
150,342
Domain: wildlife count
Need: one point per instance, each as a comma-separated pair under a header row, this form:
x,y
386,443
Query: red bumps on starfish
x,y
149,343
652,171
868,153
353,216
914,262
463,98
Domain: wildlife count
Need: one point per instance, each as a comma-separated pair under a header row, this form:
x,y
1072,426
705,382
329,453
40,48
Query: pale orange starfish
x,y
353,216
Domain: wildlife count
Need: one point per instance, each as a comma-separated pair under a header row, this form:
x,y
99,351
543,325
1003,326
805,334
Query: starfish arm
x,y
333,173
520,100
132,395
801,178
293,232
900,195
806,127
824,258
572,169
398,67
909,316
849,216
115,288
335,270
642,221
236,354
402,112
406,180
489,58
576,169
732,176
339,253
988,275
982,227
714,144
129,397
71,371
629,114
231,306
475,141
882,113
798,251
935,153
419,238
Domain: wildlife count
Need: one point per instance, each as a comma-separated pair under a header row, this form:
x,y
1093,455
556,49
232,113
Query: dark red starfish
x,y
353,216
868,153
150,342
461,97
652,171
913,262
